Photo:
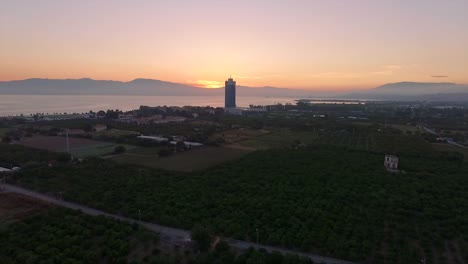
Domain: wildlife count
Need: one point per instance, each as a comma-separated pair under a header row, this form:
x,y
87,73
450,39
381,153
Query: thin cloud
x,y
391,69
439,76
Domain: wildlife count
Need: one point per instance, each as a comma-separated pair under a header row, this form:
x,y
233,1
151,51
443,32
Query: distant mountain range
x,y
136,87
86,86
415,91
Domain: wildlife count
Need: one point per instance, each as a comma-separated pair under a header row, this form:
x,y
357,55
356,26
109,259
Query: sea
x,y
12,105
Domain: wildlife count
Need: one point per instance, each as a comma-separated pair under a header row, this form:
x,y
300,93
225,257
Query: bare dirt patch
x,y
14,207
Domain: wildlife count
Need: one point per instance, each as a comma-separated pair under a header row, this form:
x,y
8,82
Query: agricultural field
x,y
451,148
297,196
12,155
199,158
79,147
115,133
404,128
97,149
187,161
3,131
280,138
384,141
237,135
354,139
135,159
150,151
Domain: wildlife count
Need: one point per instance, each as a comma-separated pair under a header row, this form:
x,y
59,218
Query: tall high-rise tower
x,y
230,93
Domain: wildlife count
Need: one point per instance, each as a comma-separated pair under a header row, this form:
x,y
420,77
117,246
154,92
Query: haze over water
x,y
31,104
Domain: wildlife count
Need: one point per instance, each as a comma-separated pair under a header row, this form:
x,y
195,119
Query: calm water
x,y
31,104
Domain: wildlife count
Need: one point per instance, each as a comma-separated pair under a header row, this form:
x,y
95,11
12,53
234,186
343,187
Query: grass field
x,y
97,149
195,159
404,127
136,159
279,139
237,135
116,133
383,141
448,147
144,150
3,131
358,140
79,147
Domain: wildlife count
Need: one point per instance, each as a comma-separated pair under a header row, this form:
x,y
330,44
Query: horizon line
x,y
220,87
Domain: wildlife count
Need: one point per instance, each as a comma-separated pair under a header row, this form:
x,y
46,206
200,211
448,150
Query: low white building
x,y
5,170
188,143
391,162
244,110
158,139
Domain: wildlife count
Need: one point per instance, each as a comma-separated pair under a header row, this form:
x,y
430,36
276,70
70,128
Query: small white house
x,y
5,170
391,162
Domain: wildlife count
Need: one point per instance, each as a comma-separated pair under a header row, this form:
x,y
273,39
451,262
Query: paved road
x,y
449,141
168,234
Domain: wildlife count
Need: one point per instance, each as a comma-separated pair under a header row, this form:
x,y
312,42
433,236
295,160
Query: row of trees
x,y
66,236
18,156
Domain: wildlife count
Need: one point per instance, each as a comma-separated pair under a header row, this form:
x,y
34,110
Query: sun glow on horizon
x,y
303,44
206,84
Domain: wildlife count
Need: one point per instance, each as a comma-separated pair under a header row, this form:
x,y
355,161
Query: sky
x,y
304,44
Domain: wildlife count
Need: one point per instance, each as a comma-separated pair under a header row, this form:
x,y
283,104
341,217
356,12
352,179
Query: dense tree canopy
x,y
329,200
66,236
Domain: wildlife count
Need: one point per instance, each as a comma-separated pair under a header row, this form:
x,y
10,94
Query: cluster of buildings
x,y
154,119
174,141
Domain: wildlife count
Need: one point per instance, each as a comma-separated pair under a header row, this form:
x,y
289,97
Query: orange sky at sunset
x,y
323,45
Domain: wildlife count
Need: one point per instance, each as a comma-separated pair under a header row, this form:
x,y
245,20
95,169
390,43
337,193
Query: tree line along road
x,y
167,234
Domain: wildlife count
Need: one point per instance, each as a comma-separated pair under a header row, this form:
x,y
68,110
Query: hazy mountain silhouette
x,y
416,88
415,91
88,86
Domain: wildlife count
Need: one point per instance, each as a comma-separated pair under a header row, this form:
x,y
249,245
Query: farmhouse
x,y
391,162
100,127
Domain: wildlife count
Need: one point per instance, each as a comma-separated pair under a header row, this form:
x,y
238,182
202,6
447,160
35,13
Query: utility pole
x,y
139,214
256,229
2,182
68,143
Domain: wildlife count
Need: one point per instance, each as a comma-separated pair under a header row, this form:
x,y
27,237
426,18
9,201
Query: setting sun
x,y
207,84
